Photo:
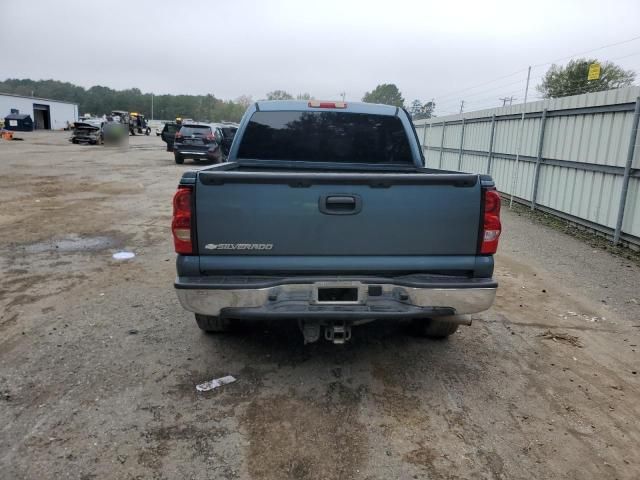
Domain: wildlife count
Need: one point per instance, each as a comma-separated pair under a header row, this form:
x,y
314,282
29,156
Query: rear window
x,y
195,130
171,127
325,137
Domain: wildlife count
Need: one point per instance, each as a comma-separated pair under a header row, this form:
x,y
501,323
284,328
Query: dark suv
x,y
199,142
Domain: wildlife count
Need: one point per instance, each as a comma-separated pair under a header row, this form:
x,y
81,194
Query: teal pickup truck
x,y
325,213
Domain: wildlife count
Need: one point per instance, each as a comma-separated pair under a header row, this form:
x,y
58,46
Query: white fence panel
x,y
586,140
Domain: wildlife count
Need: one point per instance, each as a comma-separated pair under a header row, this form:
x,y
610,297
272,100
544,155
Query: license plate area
x,y
338,294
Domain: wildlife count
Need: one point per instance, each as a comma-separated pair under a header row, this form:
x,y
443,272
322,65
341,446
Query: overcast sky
x,y
429,49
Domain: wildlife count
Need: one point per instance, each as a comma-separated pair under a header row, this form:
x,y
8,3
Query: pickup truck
x,y
325,213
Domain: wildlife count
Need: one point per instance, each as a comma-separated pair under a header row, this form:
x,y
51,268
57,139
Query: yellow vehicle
x,y
138,124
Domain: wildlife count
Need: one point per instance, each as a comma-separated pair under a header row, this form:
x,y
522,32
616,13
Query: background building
x,y
46,114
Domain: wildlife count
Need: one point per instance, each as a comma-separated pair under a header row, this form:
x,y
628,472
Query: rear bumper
x,y
196,152
377,298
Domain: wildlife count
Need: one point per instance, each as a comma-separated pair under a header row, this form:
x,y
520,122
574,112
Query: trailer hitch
x,y
337,332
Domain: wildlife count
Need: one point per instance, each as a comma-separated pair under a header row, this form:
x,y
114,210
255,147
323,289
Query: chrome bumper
x,y
301,299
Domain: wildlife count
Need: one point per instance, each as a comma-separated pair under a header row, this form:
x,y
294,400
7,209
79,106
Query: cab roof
x,y
303,105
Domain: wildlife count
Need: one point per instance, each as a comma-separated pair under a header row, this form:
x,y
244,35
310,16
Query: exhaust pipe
x,y
457,319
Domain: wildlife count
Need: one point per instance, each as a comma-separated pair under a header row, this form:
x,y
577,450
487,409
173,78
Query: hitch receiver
x,y
337,332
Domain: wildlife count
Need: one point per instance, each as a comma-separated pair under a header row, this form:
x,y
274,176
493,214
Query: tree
x,y
427,110
572,79
99,100
421,111
416,108
279,95
244,101
387,94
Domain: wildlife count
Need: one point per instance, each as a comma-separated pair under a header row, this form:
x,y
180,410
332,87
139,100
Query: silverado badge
x,y
239,246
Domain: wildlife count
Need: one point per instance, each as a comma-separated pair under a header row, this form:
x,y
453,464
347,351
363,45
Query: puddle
x,y
72,243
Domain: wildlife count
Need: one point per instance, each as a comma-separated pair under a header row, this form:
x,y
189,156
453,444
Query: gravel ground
x,y
98,362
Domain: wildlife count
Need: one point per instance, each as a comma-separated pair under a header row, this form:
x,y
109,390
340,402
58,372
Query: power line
x,y
494,98
485,90
626,56
481,84
466,89
588,51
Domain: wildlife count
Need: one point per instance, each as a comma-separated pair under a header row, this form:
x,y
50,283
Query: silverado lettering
x,y
239,246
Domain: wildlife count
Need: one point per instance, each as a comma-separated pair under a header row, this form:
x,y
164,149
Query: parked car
x,y
228,133
199,142
168,134
327,214
87,132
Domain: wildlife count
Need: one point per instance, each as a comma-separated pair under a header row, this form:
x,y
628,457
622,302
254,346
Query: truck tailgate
x,y
336,214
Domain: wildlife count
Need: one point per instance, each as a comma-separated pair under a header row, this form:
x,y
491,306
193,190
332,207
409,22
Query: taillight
x,y
181,222
491,226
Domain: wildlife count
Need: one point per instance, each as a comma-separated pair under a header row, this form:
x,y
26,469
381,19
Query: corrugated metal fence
x,y
576,158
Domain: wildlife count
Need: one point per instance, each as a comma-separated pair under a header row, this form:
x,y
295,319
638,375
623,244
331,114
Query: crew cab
x,y
326,213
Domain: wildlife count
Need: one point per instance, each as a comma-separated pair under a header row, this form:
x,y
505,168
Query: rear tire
x,y
434,328
179,159
211,324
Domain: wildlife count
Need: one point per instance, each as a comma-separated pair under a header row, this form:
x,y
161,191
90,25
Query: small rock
x,y
132,331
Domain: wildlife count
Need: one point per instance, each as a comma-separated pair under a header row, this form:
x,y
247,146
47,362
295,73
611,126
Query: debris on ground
x,y
561,337
588,318
123,255
215,383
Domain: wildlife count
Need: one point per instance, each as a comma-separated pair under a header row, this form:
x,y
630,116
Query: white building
x,y
46,114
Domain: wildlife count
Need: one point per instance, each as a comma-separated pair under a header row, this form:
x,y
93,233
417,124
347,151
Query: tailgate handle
x,y
340,204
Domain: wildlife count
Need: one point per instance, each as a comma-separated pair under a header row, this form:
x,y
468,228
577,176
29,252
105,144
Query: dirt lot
x,y
98,362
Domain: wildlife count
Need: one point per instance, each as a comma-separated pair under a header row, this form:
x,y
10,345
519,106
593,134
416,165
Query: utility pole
x,y
514,184
507,99
461,105
342,94
152,106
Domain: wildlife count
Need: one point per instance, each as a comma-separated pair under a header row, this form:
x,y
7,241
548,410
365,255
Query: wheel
x,y
435,328
178,158
147,131
212,324
74,141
